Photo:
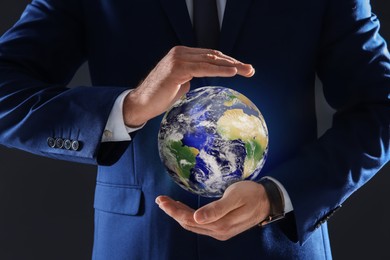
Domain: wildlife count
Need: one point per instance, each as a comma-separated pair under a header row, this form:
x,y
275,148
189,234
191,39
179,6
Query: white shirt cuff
x,y
288,207
116,130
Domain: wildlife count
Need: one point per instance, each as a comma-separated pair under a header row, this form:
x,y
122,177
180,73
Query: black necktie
x,y
206,23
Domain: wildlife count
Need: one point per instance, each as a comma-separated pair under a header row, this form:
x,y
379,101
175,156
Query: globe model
x,y
211,138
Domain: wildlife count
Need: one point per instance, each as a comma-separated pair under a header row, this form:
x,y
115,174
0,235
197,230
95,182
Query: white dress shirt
x,y
117,131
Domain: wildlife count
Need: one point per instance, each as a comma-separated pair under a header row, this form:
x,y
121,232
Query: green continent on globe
x,y
234,124
185,157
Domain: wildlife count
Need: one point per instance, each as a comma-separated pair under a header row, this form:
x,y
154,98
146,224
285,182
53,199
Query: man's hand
x,y
243,205
170,79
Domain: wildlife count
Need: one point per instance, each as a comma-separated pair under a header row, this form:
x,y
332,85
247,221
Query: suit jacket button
x,y
59,143
51,142
67,144
75,145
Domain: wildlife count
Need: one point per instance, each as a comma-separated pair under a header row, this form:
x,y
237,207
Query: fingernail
x,y
201,217
251,73
157,201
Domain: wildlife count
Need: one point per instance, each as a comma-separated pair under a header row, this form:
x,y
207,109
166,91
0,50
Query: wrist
x,y
133,111
276,202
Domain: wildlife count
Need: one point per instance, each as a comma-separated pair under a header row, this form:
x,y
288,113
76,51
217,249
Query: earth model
x,y
211,138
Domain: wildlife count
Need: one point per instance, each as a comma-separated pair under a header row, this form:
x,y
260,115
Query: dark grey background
x,y
46,206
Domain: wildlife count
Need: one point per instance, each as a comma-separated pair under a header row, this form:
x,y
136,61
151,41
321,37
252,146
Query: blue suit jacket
x,y
288,42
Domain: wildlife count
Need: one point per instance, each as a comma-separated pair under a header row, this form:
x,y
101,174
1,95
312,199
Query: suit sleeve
x,y
38,57
354,66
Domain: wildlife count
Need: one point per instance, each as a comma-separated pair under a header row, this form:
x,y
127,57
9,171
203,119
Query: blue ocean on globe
x,y
211,138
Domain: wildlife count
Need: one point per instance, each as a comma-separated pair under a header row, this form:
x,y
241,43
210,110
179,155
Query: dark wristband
x,y
276,201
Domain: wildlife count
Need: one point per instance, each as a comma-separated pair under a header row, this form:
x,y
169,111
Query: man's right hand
x,y
170,79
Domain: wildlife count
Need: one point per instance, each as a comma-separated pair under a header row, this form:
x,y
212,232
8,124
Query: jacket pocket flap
x,y
118,199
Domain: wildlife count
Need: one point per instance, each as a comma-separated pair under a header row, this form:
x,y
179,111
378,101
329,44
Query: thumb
x,y
184,88
214,211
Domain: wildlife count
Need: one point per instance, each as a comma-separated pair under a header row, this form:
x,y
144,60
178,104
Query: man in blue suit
x,y
286,42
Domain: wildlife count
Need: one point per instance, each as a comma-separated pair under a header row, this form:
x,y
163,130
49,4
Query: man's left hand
x,y
243,205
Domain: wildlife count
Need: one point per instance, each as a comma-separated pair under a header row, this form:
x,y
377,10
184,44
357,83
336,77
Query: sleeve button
x,y
67,144
51,142
75,145
59,143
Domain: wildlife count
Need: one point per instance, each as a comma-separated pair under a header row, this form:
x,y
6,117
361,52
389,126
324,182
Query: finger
x,y
198,229
218,58
182,213
212,56
226,227
216,210
204,69
182,72
244,69
236,221
184,88
174,208
211,52
223,229
191,50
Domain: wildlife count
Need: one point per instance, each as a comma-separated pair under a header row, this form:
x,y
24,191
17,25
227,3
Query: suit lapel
x,y
177,13
233,20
